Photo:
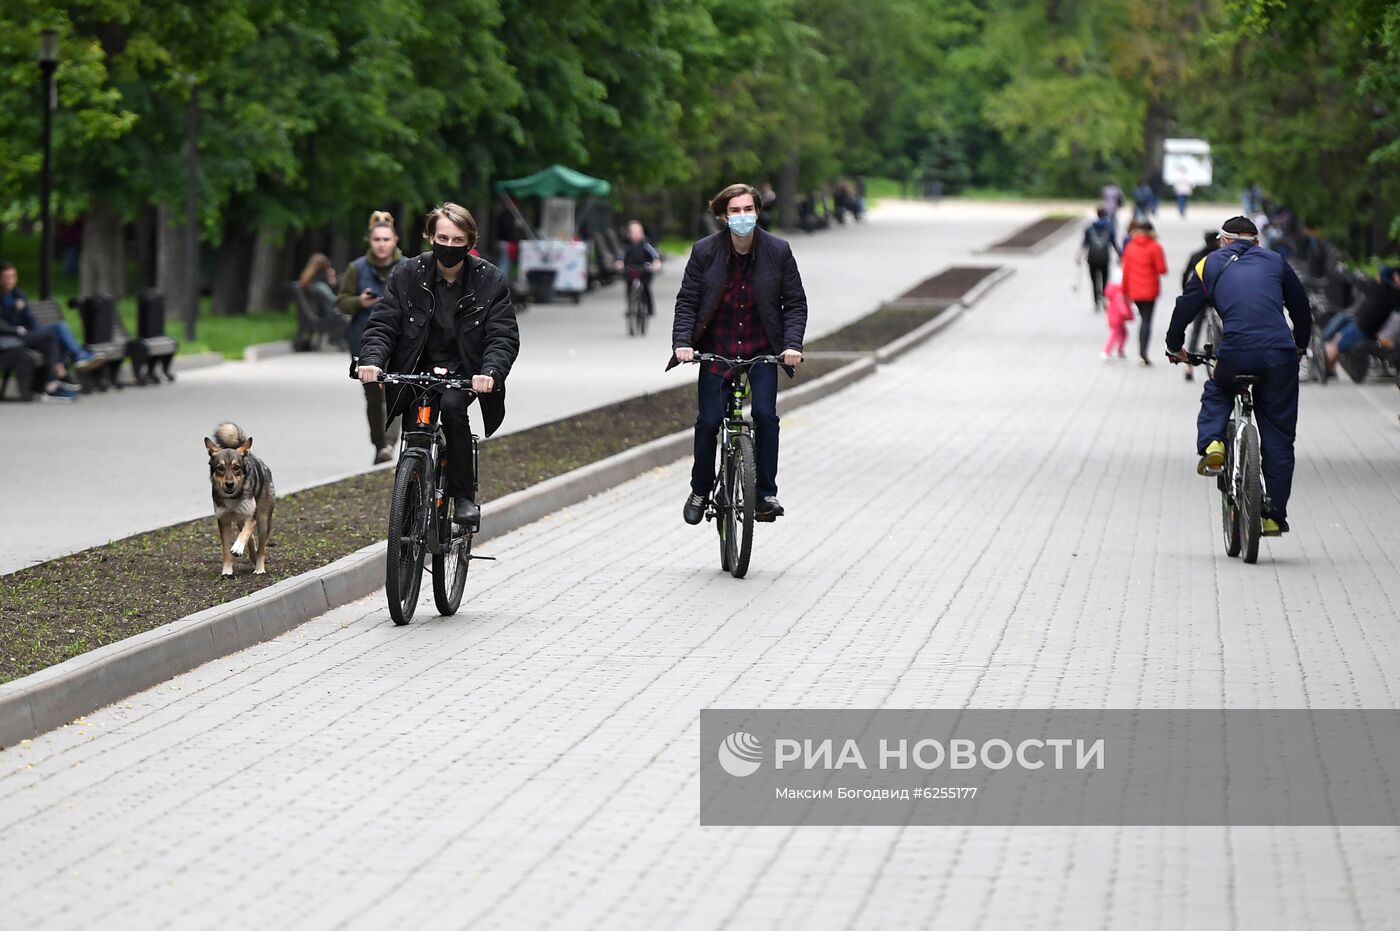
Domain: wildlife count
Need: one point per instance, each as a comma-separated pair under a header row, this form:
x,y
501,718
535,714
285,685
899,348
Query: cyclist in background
x,y
641,254
1249,288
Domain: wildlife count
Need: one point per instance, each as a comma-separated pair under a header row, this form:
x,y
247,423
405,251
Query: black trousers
x,y
1098,277
458,430
46,343
1145,325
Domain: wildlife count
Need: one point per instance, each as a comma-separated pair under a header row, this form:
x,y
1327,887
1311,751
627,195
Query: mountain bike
x,y
1240,480
733,497
636,301
420,511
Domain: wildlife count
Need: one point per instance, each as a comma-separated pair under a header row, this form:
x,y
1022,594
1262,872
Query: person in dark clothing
x,y
1099,246
447,311
1212,242
741,296
1249,287
53,341
1347,332
361,288
641,255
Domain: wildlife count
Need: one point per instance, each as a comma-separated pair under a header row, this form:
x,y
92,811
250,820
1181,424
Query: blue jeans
x,y
66,339
1275,413
1344,326
763,381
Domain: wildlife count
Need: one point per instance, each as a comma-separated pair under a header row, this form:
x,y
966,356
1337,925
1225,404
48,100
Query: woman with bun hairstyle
x,y
361,287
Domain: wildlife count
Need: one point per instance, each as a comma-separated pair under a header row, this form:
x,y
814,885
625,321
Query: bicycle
x,y
636,300
732,499
1240,480
420,512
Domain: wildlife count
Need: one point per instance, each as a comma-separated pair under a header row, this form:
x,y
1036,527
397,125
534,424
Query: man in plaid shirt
x,y
741,297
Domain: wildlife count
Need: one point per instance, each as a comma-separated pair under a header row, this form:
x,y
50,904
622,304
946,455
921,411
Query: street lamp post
x,y
48,64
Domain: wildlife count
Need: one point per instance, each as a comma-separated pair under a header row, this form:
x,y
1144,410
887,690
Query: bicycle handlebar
x,y
422,381
734,363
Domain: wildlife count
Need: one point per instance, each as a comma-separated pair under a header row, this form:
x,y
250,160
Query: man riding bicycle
x,y
1249,288
447,310
642,256
741,297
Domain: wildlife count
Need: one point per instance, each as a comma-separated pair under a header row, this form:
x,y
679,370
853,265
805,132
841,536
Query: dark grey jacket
x,y
777,288
487,334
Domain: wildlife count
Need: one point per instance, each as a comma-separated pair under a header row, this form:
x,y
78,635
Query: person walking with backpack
x,y
1099,246
1144,264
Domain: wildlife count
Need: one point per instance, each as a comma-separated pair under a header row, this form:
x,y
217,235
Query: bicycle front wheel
x,y
1251,494
403,564
739,517
450,573
1317,356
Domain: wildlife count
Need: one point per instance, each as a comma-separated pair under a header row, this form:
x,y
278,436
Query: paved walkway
x,y
999,520
307,419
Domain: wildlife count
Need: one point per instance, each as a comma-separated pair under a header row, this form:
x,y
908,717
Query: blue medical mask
x,y
742,224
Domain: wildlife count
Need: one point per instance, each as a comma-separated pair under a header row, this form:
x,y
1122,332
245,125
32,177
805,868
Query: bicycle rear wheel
x,y
450,570
741,505
403,564
1251,494
1229,512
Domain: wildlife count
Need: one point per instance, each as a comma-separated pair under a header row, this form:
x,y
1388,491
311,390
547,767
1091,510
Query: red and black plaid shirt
x,y
736,330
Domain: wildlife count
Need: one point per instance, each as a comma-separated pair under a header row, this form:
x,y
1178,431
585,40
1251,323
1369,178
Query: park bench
x,y
314,326
99,315
25,363
22,365
151,346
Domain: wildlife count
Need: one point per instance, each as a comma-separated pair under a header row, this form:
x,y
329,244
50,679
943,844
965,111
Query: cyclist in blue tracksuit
x,y
1249,288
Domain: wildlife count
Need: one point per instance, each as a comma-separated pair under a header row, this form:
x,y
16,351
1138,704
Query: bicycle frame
x,y
424,432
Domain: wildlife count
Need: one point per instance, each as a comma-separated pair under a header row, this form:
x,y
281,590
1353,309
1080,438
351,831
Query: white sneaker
x,y
1104,357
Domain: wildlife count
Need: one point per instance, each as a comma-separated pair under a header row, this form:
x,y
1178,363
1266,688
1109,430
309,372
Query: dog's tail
x,y
229,435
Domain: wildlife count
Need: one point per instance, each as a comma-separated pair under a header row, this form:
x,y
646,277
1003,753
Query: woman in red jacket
x,y
1144,264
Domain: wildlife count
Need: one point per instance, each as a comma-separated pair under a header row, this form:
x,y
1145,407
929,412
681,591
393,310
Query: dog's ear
x,y
210,445
247,445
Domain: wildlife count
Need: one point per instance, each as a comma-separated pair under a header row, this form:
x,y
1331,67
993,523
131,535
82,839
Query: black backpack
x,y
1099,243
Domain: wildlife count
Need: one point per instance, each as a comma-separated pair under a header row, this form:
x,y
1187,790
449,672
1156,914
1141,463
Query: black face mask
x,y
448,256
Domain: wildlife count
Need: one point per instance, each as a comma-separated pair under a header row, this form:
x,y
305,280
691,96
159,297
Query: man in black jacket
x,y
447,309
741,297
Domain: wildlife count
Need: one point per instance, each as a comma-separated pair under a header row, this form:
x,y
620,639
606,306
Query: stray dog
x,y
243,496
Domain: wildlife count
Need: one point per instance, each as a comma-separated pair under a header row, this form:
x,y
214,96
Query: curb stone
x,y
53,697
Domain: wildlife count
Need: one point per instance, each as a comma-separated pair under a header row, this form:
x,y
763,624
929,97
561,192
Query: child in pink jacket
x,y
1119,313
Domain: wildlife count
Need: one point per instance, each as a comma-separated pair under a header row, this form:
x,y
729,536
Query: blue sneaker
x,y
58,396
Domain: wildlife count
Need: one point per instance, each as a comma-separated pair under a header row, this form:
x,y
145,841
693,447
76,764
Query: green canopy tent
x,y
568,259
555,181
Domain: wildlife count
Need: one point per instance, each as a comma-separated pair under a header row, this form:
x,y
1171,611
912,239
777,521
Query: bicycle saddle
x,y
1246,379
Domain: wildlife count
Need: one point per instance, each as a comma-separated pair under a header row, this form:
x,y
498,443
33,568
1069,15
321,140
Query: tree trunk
x,y
340,248
1154,134
103,268
266,288
172,271
232,266
787,194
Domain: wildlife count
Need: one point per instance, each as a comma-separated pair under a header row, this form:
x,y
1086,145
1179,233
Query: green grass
x,y
675,246
227,335
878,189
